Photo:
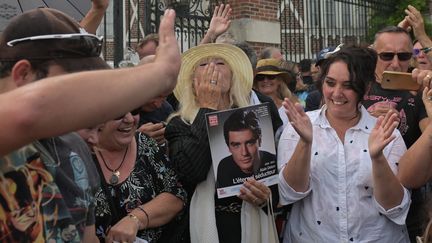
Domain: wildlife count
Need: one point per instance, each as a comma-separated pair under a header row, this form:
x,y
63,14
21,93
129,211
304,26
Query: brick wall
x,y
256,9
109,51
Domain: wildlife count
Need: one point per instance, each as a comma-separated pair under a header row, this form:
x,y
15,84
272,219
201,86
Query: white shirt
x,y
339,205
283,115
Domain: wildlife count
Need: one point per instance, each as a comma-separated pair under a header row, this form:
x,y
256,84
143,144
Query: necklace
x,y
115,176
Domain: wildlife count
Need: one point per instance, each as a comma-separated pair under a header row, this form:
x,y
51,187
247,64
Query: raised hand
x,y
404,25
219,23
423,77
427,100
168,53
299,120
382,134
415,20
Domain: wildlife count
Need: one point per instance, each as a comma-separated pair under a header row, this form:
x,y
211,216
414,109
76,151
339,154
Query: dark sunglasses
x,y
261,77
134,113
388,56
79,44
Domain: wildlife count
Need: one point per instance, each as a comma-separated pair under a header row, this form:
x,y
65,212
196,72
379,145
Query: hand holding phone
x,y
399,81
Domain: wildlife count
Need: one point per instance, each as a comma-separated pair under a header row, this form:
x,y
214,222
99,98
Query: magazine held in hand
x,y
242,145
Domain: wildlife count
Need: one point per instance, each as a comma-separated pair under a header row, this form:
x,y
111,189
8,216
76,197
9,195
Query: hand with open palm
x,y
219,23
382,134
299,120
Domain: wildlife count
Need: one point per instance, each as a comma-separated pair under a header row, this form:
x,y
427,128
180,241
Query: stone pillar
x,y
255,21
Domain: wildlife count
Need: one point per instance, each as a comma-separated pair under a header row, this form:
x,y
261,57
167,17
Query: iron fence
x,y
126,24
307,26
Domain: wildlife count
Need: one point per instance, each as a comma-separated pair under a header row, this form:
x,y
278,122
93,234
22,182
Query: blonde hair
x,y
283,92
188,108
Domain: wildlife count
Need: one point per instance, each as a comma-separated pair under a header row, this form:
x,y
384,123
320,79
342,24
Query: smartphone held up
x,y
399,81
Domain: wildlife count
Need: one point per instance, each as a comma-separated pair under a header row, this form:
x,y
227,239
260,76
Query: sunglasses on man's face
x,y
261,77
388,56
134,113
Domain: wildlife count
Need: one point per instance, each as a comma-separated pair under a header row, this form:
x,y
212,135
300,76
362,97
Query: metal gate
x,y
127,22
307,26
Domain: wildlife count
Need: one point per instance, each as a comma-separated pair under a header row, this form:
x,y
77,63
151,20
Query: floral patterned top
x,y
152,175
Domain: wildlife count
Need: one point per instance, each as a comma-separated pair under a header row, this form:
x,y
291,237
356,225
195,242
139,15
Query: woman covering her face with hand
x,y
339,163
214,77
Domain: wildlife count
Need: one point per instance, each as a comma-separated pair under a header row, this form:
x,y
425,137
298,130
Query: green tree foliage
x,y
391,12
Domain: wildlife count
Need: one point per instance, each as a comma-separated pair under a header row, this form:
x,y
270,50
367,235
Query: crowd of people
x,y
89,153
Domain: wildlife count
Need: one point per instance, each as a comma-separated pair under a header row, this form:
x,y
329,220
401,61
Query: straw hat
x,y
237,60
271,66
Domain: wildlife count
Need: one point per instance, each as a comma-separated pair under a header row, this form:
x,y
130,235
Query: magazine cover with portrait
x,y
242,145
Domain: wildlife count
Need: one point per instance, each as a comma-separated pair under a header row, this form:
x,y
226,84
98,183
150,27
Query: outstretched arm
x,y
415,166
387,189
94,16
219,23
74,101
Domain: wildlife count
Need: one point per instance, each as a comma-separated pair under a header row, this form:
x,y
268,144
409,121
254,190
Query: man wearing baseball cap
x,y
314,99
46,43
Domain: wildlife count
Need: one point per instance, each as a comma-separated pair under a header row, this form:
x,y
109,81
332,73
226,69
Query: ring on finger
x,y
255,200
214,82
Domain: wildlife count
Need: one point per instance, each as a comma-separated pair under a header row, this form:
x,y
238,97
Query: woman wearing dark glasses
x,y
273,81
421,60
139,191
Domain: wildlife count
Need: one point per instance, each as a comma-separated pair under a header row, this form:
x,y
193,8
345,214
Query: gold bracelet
x,y
132,216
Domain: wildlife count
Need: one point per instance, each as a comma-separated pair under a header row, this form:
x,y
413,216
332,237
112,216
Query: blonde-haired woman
x,y
273,81
215,77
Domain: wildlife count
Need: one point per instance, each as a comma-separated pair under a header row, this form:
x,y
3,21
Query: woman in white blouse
x,y
338,164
